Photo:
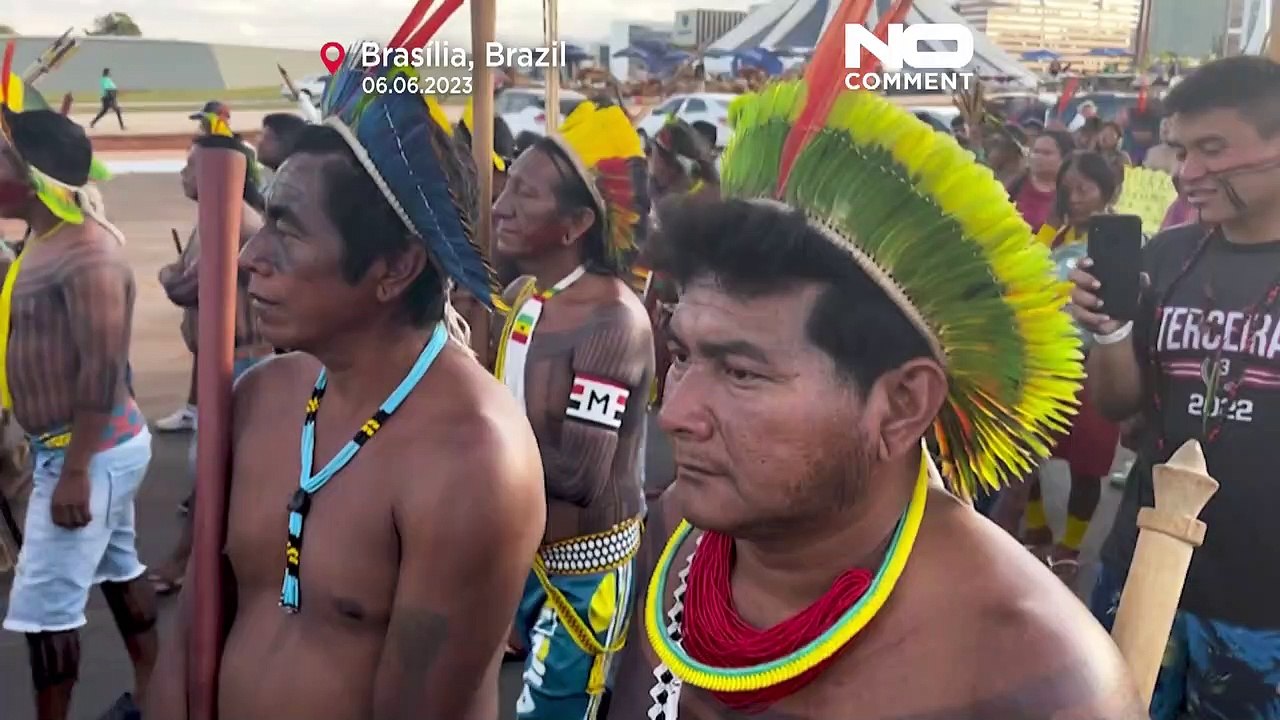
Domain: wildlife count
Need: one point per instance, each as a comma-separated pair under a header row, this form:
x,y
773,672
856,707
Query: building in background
x,y
1248,23
625,33
1070,28
697,28
1171,18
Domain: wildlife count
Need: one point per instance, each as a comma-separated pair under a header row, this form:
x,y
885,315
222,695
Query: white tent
x,y
799,23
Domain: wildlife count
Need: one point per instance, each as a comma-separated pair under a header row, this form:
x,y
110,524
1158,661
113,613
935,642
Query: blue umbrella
x,y
758,57
1111,52
1039,55
575,54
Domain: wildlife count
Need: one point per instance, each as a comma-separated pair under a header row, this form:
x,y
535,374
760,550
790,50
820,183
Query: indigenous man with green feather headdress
x,y
576,351
863,286
65,314
385,491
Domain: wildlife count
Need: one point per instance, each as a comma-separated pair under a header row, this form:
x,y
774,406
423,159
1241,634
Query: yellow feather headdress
x,y
608,155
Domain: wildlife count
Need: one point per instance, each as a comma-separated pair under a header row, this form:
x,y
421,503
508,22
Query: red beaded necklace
x,y
715,634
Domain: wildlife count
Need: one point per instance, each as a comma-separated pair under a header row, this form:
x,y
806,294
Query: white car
x,y
692,107
311,87
524,108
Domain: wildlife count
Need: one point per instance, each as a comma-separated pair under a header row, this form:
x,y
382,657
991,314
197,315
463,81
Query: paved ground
x,y
146,206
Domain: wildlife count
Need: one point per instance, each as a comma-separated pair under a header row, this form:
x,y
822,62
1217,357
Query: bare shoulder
x,y
617,305
477,438
1042,654
261,391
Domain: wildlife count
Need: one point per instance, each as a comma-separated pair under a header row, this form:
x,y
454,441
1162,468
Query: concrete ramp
x,y
147,64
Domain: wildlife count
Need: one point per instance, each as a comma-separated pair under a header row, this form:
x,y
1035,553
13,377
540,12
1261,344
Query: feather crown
x,y
417,166
938,233
608,155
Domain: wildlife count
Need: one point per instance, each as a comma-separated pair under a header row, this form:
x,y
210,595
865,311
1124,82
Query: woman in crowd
x,y
1086,186
1033,192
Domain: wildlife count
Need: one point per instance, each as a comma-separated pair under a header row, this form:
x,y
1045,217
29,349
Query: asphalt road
x,y
145,207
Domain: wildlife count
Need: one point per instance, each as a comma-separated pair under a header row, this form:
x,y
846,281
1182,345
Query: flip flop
x,y
1070,568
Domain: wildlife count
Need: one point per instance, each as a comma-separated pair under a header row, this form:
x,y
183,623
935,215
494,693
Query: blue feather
x,y
396,130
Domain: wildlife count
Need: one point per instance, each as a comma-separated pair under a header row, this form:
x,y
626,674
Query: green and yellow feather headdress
x,y
938,233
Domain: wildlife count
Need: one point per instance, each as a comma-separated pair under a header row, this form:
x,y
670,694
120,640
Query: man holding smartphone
x,y
1201,360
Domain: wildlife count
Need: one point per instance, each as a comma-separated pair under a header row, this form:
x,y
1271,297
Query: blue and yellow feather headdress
x,y
937,232
419,169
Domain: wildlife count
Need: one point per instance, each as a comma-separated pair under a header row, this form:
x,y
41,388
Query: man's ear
x,y
906,401
579,223
398,273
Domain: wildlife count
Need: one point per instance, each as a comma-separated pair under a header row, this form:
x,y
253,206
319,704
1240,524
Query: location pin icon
x,y
332,54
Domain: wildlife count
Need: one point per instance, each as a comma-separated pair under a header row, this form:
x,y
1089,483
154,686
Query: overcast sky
x,y
311,23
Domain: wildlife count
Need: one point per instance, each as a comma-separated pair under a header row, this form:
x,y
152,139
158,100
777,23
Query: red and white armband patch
x,y
599,401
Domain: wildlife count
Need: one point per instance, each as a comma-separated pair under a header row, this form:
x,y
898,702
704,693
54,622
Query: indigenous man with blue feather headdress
x,y
385,491
576,352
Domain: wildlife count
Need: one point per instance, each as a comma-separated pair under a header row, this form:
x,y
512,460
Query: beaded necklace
x,y
517,335
677,666
310,484
1212,422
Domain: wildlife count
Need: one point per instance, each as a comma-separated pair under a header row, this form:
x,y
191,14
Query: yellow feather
x,y
597,133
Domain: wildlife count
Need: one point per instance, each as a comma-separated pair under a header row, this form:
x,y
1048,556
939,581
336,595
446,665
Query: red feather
x,y
823,76
410,23
434,22
1142,99
1068,90
5,69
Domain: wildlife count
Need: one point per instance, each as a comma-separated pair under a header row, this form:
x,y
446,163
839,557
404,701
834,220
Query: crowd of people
x,y
846,355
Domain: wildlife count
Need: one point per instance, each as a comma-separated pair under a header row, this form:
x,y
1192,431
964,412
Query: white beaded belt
x,y
593,553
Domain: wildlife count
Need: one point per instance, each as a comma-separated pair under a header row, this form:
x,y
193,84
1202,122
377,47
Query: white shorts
x,y
57,567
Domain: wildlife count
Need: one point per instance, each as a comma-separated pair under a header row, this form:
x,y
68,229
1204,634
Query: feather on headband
x,y
411,157
939,235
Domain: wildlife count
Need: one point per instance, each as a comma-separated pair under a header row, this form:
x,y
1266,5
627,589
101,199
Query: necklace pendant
x,y
300,503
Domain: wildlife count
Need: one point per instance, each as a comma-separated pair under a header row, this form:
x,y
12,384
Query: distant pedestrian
x,y
110,99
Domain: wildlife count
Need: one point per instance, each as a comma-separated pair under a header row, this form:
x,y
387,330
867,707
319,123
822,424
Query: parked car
x,y
939,117
691,107
524,108
311,86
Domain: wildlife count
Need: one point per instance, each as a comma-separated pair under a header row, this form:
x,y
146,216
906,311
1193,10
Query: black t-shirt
x,y
1235,575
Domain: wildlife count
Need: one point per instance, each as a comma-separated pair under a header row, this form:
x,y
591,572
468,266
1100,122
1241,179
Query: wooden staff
x,y
484,20
550,23
1168,533
221,189
1273,45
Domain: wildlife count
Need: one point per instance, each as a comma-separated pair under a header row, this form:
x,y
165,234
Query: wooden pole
x,y
1273,45
551,24
1143,41
484,20
221,188
1168,533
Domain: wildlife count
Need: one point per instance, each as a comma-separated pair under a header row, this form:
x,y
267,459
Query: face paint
x,y
13,194
1223,178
